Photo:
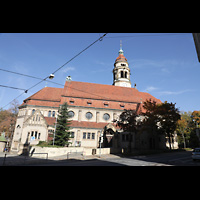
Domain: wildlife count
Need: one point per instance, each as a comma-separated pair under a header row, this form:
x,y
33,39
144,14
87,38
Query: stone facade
x,y
92,108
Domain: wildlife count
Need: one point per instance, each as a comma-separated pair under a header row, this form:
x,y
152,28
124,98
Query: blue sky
x,y
165,65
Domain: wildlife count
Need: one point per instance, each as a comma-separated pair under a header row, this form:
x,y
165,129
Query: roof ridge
x,y
103,92
30,97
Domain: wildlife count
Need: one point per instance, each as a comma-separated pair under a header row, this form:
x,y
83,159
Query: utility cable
x,y
51,82
34,77
13,87
99,39
148,35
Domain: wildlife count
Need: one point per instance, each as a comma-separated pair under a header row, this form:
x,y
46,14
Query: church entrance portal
x,y
108,135
108,138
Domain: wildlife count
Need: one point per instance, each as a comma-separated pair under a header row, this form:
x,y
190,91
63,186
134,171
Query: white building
x,y
92,108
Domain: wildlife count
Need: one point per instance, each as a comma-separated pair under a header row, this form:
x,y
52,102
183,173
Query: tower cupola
x,y
121,71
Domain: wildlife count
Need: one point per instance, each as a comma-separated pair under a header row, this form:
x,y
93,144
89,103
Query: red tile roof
x,y
76,124
50,120
105,92
89,95
121,57
98,103
47,96
86,124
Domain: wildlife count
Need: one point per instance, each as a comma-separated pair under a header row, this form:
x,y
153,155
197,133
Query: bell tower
x,y
121,71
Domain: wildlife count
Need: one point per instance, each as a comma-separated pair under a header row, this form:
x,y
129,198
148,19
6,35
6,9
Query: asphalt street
x,y
164,159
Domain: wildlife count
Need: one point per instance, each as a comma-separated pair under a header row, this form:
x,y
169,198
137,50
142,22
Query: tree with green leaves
x,y
128,123
169,115
62,134
151,121
161,118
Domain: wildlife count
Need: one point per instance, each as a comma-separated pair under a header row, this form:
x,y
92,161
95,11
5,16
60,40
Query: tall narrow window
x,y
53,114
49,114
122,74
125,74
32,132
88,135
35,134
93,136
84,135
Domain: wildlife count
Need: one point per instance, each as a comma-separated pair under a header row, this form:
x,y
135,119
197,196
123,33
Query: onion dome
x,y
121,57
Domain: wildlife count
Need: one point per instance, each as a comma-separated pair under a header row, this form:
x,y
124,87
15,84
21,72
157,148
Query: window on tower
x,y
122,74
125,74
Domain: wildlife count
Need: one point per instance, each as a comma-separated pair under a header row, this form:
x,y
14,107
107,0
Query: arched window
x,y
122,74
53,114
49,114
125,74
33,111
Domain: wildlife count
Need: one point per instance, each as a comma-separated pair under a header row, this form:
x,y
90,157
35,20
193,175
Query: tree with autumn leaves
x,y
188,129
157,119
161,118
8,119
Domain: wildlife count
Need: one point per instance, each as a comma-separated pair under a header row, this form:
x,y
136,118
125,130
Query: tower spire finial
x,y
121,51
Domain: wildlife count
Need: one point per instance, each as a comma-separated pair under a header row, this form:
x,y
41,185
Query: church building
x,y
92,109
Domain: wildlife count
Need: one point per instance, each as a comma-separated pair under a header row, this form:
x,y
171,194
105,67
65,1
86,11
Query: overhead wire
x,y
34,77
99,39
45,79
12,87
148,35
51,82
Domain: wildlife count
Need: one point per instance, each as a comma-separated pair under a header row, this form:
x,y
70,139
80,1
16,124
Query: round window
x,y
88,115
106,116
71,114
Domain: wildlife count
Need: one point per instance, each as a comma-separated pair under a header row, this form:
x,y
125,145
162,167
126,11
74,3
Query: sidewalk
x,y
19,160
64,157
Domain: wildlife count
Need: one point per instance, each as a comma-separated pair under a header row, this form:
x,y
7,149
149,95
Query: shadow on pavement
x,y
179,158
163,159
14,160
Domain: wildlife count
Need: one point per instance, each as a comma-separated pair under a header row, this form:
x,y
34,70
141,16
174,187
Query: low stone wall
x,y
41,152
103,151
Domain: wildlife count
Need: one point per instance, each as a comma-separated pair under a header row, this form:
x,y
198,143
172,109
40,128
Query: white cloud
x,y
103,63
67,69
150,89
165,70
173,92
164,65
